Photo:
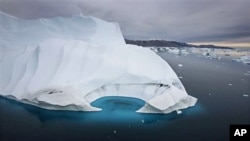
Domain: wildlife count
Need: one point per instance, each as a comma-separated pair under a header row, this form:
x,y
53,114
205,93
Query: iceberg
x,y
244,59
66,63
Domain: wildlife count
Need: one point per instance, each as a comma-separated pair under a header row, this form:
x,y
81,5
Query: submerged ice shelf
x,y
66,63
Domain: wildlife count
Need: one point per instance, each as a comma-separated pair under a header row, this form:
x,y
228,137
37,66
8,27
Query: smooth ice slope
x,y
67,63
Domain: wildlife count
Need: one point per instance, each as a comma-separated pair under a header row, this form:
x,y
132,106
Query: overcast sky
x,y
200,21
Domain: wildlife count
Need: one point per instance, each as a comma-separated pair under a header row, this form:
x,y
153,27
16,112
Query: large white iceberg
x,y
66,63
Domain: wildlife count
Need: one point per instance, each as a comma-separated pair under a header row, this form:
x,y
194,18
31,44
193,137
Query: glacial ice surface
x,y
65,63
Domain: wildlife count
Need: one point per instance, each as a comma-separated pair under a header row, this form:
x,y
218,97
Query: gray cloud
x,y
182,20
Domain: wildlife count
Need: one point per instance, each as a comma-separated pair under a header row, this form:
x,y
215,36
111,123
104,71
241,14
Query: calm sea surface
x,y
222,87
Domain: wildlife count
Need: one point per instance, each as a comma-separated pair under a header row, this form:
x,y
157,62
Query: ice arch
x,y
118,103
67,63
158,98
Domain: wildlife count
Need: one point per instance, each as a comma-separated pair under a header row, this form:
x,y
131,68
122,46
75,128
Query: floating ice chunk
x,y
245,95
178,51
247,73
174,51
180,65
179,112
230,84
154,49
244,59
162,49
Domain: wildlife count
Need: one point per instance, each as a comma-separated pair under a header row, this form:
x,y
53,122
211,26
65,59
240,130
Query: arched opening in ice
x,y
118,103
142,92
159,98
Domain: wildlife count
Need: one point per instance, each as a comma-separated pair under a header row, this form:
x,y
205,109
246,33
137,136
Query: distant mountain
x,y
164,43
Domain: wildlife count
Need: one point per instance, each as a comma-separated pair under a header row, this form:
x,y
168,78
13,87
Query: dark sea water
x,y
221,86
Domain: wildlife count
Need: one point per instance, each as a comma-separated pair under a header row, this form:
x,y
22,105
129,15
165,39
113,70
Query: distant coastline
x,y
164,43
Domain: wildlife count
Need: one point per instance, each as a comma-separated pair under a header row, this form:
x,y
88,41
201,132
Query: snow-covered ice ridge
x,y
65,63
